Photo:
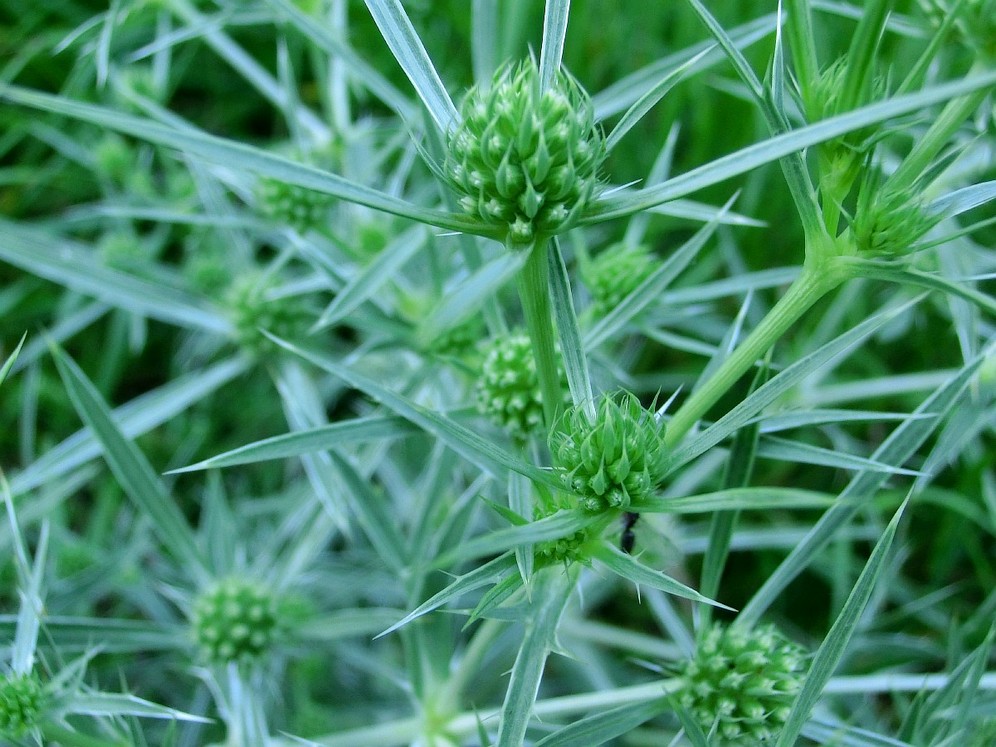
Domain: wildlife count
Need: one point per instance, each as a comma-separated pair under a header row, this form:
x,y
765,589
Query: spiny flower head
x,y
615,273
525,162
251,309
614,462
508,389
20,704
291,205
235,620
889,221
742,682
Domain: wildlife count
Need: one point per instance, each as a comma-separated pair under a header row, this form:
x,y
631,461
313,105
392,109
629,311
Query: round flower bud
x,y
741,683
615,273
525,162
291,205
234,620
889,222
508,389
614,462
251,310
20,704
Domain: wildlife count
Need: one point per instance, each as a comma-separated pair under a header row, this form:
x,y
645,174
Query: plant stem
x,y
817,279
534,292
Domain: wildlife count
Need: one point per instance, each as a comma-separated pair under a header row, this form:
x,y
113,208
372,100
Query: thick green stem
x,y
816,280
534,292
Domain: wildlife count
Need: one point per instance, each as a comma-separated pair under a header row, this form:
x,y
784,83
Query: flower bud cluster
x,y
741,683
525,161
235,620
615,273
614,462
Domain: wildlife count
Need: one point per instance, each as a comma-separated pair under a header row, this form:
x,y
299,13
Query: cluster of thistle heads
x,y
524,160
288,204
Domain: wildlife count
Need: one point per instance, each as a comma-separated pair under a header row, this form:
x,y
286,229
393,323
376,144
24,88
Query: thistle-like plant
x,y
525,161
614,461
740,684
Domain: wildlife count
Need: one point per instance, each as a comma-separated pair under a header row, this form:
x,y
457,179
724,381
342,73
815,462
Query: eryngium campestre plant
x,y
614,462
525,161
888,222
234,620
741,683
20,704
615,273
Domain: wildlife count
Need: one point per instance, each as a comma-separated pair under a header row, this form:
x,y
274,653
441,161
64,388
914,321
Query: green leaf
x,y
323,37
772,390
833,647
131,468
373,277
883,271
649,291
571,348
462,440
9,363
550,593
321,438
489,573
226,152
74,266
629,568
650,99
560,524
901,444
83,703
460,303
398,32
749,158
738,499
133,418
599,728
552,46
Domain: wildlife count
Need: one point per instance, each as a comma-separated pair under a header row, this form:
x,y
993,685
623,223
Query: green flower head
x,y
291,205
235,620
508,389
614,462
740,684
20,704
615,273
525,161
251,309
888,222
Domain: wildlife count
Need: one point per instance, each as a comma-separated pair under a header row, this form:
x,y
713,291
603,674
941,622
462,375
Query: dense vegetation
x,y
492,372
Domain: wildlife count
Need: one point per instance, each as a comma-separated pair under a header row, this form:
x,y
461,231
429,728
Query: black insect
x,y
628,538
